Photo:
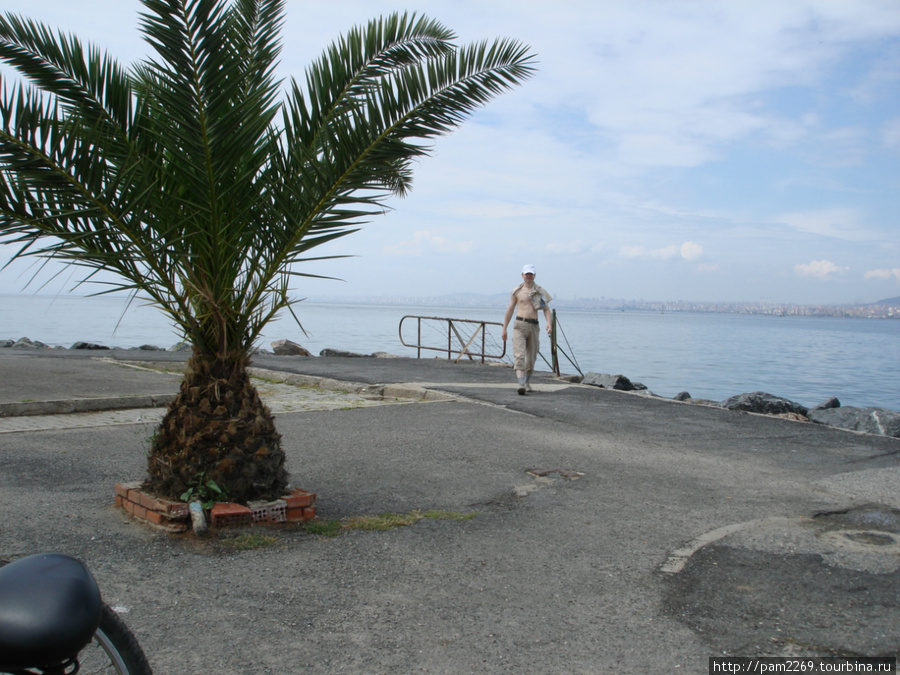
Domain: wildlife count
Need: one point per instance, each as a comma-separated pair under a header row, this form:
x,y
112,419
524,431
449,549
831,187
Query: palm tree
x,y
203,186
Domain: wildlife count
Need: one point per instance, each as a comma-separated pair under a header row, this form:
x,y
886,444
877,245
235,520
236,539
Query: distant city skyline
x,y
886,308
705,151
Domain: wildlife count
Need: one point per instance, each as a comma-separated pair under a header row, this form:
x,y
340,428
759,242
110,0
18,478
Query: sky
x,y
718,151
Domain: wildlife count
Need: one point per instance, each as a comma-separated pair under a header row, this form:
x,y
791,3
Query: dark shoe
x,y
521,390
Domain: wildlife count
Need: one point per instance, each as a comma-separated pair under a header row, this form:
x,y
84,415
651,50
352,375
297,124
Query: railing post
x,y
483,337
553,354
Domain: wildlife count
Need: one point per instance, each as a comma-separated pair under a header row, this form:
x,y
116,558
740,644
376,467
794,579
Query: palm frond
x,y
82,78
191,178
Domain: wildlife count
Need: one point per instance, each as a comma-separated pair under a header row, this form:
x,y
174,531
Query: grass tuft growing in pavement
x,y
248,541
379,522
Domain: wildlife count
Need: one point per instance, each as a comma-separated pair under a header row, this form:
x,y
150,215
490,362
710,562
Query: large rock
x,y
607,381
832,402
340,352
879,421
26,343
87,345
288,348
763,403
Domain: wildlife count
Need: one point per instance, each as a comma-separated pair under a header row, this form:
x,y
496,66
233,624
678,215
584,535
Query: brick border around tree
x,y
297,506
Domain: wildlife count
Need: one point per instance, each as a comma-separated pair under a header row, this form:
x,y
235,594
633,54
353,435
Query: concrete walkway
x,y
609,532
283,393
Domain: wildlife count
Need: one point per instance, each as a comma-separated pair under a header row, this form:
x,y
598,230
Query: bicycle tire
x,y
114,650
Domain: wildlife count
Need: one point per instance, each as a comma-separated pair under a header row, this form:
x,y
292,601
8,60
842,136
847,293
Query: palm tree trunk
x,y
217,429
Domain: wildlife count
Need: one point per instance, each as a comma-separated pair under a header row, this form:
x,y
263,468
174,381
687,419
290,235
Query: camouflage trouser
x,y
526,341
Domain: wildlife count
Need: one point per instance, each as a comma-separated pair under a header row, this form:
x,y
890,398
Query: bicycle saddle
x,y
49,609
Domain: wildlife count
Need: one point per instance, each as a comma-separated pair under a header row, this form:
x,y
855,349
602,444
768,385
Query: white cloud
x,y
424,242
820,269
642,253
671,85
667,253
884,274
689,250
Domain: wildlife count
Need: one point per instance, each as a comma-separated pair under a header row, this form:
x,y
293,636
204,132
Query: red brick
x,y
173,509
301,515
298,499
122,489
155,518
130,492
145,500
226,513
229,508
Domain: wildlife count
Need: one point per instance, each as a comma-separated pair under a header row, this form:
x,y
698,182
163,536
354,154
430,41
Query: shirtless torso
x,y
524,308
521,305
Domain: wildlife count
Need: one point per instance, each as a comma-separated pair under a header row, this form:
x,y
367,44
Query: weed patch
x,y
322,528
379,522
248,541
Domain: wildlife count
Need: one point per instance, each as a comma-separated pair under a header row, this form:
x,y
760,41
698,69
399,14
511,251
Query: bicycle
x,y
53,621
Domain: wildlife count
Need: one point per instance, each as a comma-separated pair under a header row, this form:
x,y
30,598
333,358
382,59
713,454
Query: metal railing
x,y
463,342
457,339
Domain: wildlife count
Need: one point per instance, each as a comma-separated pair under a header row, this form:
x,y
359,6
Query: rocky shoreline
x,y
27,343
877,421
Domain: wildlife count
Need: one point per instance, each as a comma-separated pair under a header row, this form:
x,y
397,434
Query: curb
x,y
64,406
396,390
67,406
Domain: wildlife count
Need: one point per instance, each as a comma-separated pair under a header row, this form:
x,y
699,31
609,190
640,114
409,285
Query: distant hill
x,y
884,309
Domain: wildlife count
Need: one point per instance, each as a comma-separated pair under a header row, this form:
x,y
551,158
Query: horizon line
x,y
559,301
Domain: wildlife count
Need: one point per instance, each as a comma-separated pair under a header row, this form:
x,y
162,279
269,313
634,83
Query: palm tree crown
x,y
202,185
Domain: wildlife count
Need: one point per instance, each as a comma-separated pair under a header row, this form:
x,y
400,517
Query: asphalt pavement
x,y
598,532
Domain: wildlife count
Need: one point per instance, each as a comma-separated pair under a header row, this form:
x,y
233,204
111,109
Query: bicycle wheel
x,y
114,649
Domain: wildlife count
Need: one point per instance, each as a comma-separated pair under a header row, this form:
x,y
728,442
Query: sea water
x,y
709,355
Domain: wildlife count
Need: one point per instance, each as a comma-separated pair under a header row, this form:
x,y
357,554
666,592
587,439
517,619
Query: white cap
x,y
528,269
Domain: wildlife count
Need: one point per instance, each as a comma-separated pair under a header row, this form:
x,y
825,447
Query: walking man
x,y
525,301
